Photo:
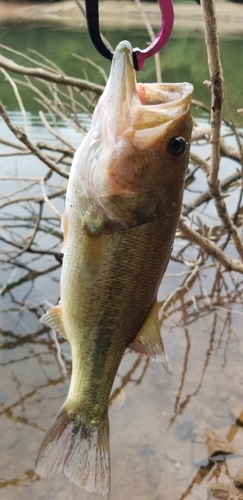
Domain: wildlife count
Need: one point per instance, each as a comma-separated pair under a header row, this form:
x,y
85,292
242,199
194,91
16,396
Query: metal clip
x,y
139,55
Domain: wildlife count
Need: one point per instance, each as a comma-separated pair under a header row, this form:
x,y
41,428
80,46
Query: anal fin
x,y
53,319
148,341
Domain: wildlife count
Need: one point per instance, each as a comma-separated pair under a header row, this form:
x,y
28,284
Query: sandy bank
x,y
121,14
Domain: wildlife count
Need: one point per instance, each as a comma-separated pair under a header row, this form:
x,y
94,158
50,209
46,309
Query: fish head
x,y
140,135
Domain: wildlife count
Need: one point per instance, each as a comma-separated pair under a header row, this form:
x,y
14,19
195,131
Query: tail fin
x,y
79,449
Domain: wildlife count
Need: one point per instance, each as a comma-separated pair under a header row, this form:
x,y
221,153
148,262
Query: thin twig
x,y
18,97
47,200
205,196
27,58
200,162
21,135
36,199
59,353
92,63
53,132
211,248
49,76
27,246
41,251
186,286
12,144
81,7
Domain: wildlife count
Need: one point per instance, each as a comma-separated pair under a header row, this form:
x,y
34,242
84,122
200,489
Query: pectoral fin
x,y
93,250
53,319
148,341
64,228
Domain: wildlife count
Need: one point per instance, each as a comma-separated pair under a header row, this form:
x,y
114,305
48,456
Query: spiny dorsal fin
x,y
53,319
148,341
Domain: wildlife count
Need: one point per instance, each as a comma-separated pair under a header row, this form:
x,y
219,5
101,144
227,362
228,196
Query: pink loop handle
x,y
167,13
139,56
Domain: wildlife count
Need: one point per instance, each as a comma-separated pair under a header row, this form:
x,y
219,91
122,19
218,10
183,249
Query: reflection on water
x,y
171,435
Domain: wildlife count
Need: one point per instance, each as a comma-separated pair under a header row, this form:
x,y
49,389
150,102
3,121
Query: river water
x,y
171,434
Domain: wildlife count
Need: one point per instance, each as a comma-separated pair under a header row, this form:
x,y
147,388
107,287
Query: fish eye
x,y
177,146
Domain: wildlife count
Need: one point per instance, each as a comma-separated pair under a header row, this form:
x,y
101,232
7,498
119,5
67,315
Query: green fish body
x,y
123,204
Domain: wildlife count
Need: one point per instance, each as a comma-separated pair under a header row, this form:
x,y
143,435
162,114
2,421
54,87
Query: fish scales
x,y
123,204
125,284
128,281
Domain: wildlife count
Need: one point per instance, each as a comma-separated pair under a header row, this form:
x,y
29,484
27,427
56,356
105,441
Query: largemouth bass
x,y
123,203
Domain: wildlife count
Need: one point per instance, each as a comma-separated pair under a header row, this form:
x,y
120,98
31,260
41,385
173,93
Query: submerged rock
x,y
231,491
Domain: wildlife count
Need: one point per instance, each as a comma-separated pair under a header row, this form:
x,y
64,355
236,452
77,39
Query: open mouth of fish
x,y
140,106
130,118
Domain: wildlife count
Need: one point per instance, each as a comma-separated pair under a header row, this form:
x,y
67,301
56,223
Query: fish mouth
x,y
166,95
123,76
120,91
133,107
161,106
165,100
124,89
133,118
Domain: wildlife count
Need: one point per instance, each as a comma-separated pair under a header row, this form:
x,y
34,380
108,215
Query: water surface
x,y
182,59
162,426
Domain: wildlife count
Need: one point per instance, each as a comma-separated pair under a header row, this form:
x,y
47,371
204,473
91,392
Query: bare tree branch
x,y
50,77
21,135
217,98
210,247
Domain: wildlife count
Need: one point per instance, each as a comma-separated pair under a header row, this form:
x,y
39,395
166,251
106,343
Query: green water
x,y
183,59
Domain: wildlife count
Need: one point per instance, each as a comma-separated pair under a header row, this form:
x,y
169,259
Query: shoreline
x,y
125,15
